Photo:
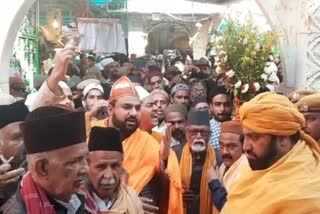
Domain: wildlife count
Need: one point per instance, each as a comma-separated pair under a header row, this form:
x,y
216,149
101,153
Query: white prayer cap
x,y
63,85
86,82
92,86
142,93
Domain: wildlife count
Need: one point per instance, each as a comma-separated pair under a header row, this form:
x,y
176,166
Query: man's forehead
x,y
182,92
174,115
227,137
221,98
102,156
191,126
198,86
158,97
94,92
148,100
130,100
155,79
11,127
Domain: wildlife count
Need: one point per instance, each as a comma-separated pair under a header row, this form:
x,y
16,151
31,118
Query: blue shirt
x,y
218,194
215,128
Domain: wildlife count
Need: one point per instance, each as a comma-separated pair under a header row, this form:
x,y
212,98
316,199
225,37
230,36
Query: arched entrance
x,y
12,16
168,36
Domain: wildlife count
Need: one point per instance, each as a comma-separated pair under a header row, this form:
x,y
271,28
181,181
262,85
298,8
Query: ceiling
x,y
216,1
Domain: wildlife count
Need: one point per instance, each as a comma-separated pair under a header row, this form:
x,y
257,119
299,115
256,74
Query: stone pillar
x,y
313,44
137,38
298,23
12,15
201,41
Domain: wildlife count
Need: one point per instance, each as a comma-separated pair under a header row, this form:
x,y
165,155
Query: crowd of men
x,y
148,136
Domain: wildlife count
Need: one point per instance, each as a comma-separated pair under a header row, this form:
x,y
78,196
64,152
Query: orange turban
x,y
232,126
274,114
122,87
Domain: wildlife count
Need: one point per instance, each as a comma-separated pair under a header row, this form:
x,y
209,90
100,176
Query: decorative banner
x,y
54,18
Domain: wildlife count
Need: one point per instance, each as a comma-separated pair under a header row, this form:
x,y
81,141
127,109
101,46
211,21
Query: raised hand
x,y
99,107
62,60
213,173
148,207
165,144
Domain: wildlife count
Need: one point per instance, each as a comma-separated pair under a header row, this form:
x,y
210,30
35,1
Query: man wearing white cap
x,y
93,100
91,94
109,70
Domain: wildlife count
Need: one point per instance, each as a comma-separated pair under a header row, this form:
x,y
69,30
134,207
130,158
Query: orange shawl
x,y
156,135
291,185
142,161
206,206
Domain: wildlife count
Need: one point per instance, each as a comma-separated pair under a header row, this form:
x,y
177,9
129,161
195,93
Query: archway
x,y
168,36
12,16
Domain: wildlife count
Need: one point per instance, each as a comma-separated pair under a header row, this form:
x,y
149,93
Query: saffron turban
x,y
274,114
122,87
271,113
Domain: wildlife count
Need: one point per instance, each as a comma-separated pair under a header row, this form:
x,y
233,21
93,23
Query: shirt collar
x,y
102,205
73,205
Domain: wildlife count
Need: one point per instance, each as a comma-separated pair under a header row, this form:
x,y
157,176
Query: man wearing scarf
x,y
234,160
11,146
148,163
105,169
54,140
176,119
283,176
197,157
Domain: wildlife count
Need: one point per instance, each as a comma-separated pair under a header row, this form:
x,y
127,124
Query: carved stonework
x,y
313,47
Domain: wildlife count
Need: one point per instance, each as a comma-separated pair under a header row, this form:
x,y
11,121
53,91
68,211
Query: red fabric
x,y
34,197
37,202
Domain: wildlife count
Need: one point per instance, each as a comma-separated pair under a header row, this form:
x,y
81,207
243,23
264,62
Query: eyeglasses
x,y
203,133
198,90
160,102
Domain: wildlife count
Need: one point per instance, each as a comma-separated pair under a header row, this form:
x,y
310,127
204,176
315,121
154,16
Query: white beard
x,y
198,148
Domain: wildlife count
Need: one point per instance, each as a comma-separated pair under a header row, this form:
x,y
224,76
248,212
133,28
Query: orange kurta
x,y
142,161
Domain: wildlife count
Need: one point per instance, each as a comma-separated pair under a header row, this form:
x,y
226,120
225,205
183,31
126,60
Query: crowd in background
x,y
163,137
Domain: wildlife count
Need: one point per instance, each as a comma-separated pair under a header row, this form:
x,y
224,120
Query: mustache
x,y
199,141
223,114
177,133
251,154
106,181
132,119
226,156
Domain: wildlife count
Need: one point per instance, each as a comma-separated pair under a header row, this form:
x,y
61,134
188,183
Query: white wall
x,y
172,6
289,18
12,15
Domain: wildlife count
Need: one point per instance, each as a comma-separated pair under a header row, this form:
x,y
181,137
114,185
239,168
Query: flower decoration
x,y
246,56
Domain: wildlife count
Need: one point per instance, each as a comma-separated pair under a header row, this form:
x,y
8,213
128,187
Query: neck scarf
x,y
142,161
37,202
34,197
206,206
